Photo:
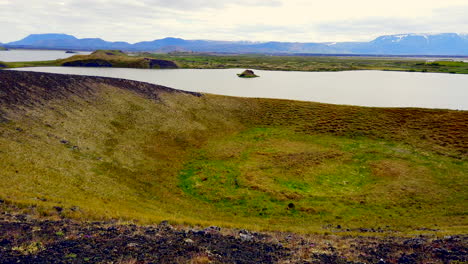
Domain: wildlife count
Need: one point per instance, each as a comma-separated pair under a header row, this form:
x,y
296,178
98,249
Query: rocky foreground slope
x,y
26,239
108,170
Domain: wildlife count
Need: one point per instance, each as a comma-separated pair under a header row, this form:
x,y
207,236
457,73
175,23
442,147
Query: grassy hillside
x,y
104,148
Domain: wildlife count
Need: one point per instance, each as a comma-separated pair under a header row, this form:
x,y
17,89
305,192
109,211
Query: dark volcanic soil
x,y
88,63
161,64
65,241
147,63
26,239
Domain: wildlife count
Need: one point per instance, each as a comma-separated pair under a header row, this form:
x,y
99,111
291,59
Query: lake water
x,y
364,88
36,55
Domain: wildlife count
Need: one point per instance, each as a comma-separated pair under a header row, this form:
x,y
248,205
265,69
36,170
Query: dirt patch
x,y
390,169
303,159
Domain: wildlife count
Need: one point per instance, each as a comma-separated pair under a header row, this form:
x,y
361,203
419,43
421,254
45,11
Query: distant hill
x,y
43,39
401,44
64,41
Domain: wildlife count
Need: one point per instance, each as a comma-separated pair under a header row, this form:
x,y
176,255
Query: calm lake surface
x,y
36,55
364,88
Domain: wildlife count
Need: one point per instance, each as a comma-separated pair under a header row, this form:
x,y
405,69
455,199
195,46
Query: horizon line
x,y
248,41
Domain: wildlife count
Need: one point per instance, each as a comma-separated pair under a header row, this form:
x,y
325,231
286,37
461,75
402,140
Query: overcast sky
x,y
252,20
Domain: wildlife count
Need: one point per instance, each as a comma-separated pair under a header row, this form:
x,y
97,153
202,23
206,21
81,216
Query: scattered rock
x,y
212,230
165,226
132,245
245,235
406,259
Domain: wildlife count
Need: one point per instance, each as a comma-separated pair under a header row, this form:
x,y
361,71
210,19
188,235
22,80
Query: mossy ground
x,y
251,163
311,63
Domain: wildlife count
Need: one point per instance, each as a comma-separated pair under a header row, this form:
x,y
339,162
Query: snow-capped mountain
x,y
427,44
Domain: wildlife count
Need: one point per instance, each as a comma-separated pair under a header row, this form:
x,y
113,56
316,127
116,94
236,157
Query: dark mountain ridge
x,y
402,44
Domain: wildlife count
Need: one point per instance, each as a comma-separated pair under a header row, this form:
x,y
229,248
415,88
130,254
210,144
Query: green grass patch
x,y
273,173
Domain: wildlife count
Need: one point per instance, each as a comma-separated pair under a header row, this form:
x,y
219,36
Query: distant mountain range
x,y
402,44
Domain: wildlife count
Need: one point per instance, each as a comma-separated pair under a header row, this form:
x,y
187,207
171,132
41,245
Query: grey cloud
x,y
136,20
183,5
441,20
370,25
195,4
456,14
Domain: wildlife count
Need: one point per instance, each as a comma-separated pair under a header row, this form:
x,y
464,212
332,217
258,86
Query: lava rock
x,y
247,74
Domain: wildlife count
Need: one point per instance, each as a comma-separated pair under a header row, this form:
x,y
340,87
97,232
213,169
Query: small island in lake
x,y
3,48
247,74
70,51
